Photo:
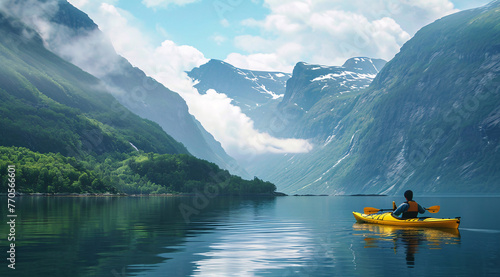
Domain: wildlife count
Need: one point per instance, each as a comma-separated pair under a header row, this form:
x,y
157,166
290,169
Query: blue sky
x,y
201,24
198,24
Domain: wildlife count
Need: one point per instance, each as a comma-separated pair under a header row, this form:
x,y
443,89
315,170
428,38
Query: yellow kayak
x,y
389,219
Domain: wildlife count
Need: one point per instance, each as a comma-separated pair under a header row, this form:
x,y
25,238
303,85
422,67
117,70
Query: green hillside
x,y
65,132
49,105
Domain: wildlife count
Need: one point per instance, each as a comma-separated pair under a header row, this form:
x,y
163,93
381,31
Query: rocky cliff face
x,y
316,107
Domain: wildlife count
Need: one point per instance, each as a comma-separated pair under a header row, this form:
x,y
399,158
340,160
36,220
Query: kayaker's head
x,y
409,195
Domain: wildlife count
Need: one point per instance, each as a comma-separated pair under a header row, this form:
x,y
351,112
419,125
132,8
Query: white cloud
x,y
331,31
236,130
259,61
70,44
283,59
33,15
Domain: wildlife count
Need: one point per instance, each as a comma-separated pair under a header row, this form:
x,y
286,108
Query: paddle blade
x,y
433,209
369,210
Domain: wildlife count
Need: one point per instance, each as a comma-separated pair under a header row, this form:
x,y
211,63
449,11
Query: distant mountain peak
x,y
248,88
368,65
71,17
311,82
215,63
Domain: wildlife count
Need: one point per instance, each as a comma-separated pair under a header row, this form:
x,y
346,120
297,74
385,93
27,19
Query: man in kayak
x,y
410,208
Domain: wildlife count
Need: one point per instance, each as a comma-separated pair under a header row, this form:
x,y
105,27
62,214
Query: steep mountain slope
x,y
71,34
429,120
50,105
153,101
435,119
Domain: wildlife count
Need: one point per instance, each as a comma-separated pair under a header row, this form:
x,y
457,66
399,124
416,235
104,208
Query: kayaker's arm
x,y
401,209
420,209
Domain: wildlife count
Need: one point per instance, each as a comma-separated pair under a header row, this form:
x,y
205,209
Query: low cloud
x,y
224,120
86,47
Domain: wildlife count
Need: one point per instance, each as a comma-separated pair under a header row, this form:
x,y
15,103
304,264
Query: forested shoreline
x,y
126,173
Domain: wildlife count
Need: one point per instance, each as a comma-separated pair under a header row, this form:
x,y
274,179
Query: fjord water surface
x,y
284,236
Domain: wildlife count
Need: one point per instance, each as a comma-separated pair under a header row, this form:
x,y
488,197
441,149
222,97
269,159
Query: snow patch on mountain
x,y
347,74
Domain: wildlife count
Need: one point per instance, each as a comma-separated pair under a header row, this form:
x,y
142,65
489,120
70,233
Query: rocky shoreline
x,y
274,194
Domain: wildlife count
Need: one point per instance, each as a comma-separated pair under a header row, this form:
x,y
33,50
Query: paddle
x,y
370,210
433,209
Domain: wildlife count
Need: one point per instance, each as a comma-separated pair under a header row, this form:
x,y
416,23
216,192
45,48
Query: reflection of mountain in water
x,y
380,236
122,236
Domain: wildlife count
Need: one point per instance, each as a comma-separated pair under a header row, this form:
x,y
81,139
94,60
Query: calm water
x,y
285,236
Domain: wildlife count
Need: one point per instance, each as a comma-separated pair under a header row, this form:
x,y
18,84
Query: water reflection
x,y
289,236
410,239
255,247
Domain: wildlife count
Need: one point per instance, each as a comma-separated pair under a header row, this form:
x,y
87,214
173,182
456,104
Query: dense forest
x,y
131,173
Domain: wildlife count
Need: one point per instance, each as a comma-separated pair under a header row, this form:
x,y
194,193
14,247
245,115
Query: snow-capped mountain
x,y
315,91
311,82
271,98
249,89
257,93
